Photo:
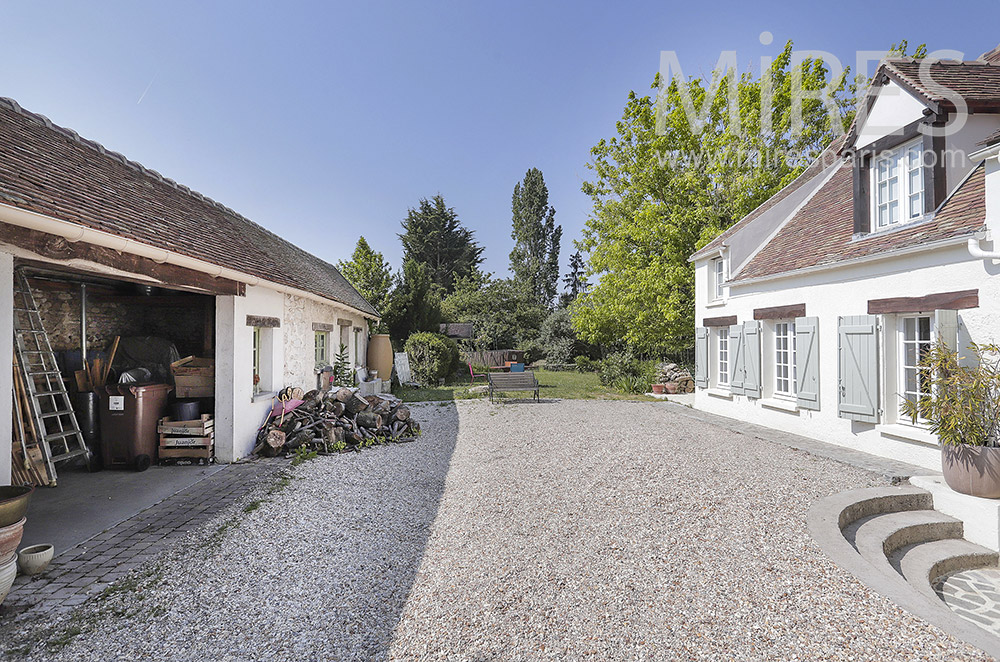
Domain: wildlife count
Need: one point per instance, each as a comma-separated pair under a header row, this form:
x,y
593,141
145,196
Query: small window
x,y
718,277
723,357
357,346
256,359
916,339
898,186
322,343
785,379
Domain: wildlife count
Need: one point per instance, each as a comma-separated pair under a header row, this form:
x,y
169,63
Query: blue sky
x,y
324,121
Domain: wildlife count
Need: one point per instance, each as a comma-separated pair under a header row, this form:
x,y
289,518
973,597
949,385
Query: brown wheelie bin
x,y
129,416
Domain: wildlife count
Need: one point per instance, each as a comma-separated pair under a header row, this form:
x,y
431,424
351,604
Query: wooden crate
x,y
194,377
187,439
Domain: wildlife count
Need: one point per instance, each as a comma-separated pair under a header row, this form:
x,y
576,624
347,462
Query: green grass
x,y
563,385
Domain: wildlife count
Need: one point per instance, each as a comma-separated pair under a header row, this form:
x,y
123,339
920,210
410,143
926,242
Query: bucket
x,y
88,418
185,410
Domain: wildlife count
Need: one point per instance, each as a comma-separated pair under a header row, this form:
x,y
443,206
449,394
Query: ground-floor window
x,y
322,343
916,338
256,359
723,348
784,359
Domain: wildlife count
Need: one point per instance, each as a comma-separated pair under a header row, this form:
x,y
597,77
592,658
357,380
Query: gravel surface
x,y
580,529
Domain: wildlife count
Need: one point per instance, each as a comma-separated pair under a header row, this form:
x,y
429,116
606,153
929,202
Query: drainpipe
x,y
83,323
976,251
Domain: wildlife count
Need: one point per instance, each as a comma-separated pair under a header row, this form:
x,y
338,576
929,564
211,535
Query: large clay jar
x,y
8,571
380,355
973,470
10,538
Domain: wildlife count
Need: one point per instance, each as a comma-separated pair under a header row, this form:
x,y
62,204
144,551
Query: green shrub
x,y
432,357
624,372
560,351
533,351
585,364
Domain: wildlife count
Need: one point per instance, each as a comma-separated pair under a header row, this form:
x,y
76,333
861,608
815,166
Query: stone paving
x,y
88,568
974,595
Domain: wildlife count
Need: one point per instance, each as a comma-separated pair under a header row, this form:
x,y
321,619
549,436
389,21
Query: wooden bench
x,y
501,382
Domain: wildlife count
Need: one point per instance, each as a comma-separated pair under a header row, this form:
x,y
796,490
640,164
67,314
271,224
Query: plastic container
x,y
129,416
185,410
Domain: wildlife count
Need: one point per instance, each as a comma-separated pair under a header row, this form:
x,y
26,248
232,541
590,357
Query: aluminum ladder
x,y
59,436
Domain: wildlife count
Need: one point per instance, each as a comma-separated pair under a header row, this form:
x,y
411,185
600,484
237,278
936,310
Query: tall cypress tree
x,y
433,236
535,258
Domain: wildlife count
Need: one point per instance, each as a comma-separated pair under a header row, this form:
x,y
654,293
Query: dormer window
x,y
898,185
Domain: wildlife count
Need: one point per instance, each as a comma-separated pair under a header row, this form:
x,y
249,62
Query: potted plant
x,y
963,410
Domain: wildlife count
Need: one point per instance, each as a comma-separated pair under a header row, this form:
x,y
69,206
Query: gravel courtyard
x,y
571,530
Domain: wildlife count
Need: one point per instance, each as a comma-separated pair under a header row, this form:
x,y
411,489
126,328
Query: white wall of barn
x,y
843,291
6,376
300,337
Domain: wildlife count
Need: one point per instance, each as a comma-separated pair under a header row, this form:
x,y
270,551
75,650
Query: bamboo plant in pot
x,y
963,410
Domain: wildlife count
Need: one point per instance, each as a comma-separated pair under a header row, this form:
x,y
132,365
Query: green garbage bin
x,y
129,416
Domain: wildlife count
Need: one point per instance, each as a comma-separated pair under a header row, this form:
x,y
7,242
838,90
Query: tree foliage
x,y
502,311
664,186
369,273
433,236
414,304
535,258
575,280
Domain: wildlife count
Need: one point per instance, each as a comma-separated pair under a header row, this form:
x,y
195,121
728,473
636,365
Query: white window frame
x,y
257,346
785,376
902,365
722,356
321,347
717,278
907,160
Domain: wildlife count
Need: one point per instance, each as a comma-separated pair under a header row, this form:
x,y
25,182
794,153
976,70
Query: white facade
x,y
831,292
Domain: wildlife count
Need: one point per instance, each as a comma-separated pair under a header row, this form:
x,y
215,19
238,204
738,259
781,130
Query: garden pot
x,y
10,538
670,387
658,389
8,571
14,503
33,560
972,470
380,354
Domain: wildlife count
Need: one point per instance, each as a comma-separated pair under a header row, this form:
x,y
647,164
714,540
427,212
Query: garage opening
x,y
136,362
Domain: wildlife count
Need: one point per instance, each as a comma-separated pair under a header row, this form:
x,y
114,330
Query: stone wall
x,y
184,325
300,315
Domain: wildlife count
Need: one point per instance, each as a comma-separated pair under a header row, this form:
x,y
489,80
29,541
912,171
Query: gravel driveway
x,y
579,529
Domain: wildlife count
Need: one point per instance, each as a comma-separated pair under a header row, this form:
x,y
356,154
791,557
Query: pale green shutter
x,y
857,348
807,362
751,359
701,362
737,362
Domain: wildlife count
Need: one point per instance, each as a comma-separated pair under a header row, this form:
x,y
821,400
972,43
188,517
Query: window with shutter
x,y
751,359
807,362
857,349
701,357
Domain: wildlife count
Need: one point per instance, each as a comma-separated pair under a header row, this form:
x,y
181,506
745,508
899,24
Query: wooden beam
x,y
780,312
263,321
56,250
719,321
940,301
322,326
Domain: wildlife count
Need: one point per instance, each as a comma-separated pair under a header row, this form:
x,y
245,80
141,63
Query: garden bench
x,y
501,382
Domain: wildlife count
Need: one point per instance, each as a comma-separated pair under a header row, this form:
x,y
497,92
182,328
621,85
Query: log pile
x,y
671,372
335,421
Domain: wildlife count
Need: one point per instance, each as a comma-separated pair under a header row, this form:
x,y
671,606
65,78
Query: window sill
x,y
908,432
263,395
725,394
780,404
715,303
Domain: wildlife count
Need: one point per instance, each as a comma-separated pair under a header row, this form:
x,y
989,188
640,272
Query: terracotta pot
x,y
33,560
14,503
973,470
671,387
658,389
380,354
10,538
8,571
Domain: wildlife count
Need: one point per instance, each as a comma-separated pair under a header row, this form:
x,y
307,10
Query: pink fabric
x,y
287,405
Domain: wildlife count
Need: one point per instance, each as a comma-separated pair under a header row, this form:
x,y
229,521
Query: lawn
x,y
563,384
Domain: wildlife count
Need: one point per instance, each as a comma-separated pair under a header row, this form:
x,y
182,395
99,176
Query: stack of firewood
x,y
671,372
336,421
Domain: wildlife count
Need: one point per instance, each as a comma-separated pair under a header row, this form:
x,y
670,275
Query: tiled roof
x,y
812,170
977,81
52,171
821,233
991,139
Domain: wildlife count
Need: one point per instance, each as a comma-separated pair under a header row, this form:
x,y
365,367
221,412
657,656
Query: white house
x,y
113,248
811,311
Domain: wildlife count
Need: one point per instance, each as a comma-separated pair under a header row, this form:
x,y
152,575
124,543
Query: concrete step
x,y
922,563
853,505
877,537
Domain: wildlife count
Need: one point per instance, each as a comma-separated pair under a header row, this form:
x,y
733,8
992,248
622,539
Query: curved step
x,y
923,563
878,537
